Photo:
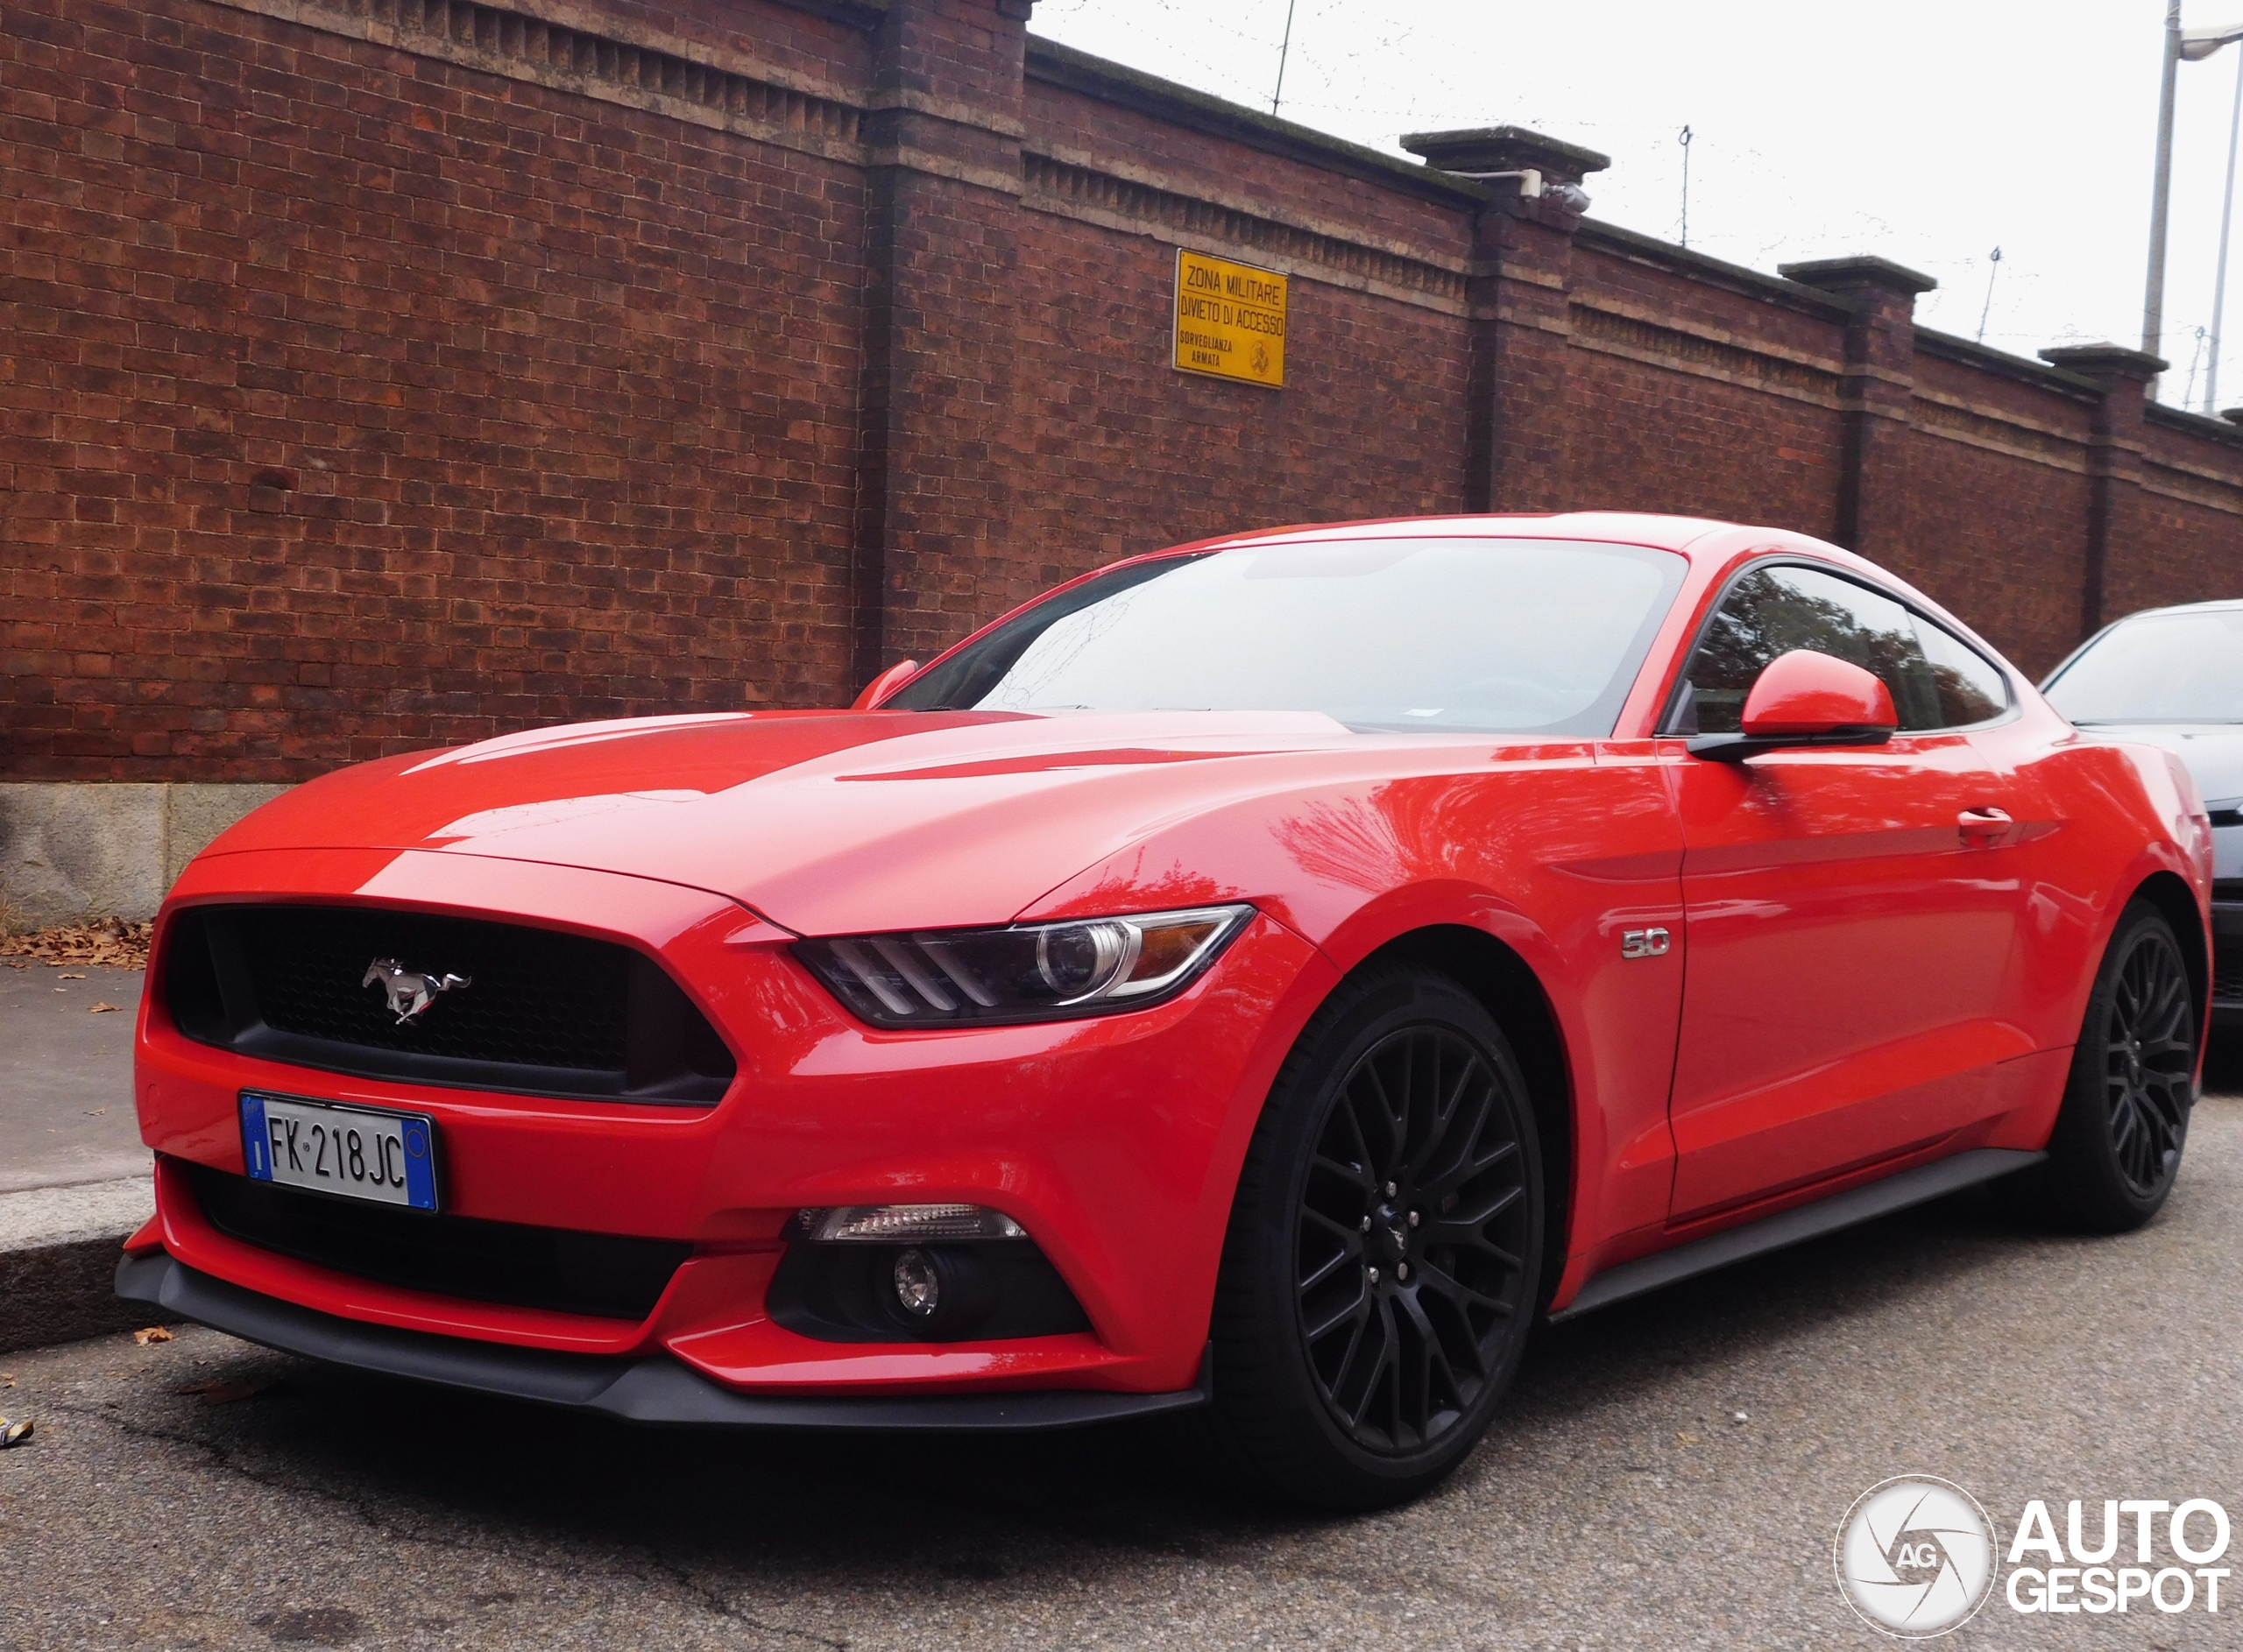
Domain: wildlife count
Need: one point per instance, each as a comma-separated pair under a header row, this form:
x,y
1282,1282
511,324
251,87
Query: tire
x,y
2116,1148
1362,1338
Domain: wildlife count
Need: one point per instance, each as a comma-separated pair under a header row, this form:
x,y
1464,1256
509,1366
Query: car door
x,y
1849,912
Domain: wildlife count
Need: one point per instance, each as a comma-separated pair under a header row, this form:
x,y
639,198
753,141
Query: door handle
x,y
1983,827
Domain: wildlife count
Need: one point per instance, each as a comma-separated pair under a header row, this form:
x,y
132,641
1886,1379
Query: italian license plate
x,y
360,1153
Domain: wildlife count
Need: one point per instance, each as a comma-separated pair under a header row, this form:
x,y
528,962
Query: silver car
x,y
2174,677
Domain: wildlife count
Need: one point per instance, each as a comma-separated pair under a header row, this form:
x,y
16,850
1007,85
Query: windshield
x,y
1496,636
2177,668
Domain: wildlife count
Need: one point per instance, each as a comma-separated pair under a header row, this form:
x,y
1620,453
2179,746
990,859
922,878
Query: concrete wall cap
x,y
2106,362
1505,149
1850,275
2227,434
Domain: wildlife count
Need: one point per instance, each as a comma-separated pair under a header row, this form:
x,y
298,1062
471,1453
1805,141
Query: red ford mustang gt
x,y
1267,976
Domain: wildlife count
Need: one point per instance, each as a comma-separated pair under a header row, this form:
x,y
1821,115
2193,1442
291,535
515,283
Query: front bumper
x,y
654,1389
2228,966
1114,1142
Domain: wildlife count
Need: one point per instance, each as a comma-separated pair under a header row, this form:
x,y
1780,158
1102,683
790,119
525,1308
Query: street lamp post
x,y
2152,301
2226,216
2193,46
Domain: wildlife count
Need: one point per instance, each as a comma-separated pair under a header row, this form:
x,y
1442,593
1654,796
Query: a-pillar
x,y
2115,447
1519,292
1876,390
941,246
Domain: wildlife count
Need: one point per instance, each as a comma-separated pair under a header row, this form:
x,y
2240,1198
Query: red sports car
x,y
1267,976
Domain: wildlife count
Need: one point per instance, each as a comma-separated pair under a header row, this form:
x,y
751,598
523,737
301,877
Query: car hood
x,y
824,822
2212,752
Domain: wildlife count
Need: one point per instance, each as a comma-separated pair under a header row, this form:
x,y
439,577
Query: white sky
x,y
1928,131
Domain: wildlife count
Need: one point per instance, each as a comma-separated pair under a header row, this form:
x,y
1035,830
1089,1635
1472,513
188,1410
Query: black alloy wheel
x,y
1384,1259
1412,1238
2116,1148
2150,1045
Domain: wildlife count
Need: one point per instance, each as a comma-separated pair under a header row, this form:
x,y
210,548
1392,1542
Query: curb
x,y
59,1250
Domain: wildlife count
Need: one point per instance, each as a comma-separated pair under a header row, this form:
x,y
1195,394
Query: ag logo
x,y
1915,1556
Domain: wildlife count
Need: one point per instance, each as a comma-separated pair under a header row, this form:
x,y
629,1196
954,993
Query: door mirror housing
x,y
1805,699
885,684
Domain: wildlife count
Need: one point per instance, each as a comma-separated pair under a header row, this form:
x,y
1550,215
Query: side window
x,y
1772,611
1970,689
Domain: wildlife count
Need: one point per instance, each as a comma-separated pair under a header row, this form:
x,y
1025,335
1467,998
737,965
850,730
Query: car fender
x,y
1618,1154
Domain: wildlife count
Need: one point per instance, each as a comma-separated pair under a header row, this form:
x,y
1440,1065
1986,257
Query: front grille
x,y
542,1012
2227,969
569,1273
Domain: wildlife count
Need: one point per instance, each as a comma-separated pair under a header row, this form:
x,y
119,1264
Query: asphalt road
x,y
1620,1501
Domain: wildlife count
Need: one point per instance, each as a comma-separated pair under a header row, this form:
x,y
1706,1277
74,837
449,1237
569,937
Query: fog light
x,y
902,1224
918,1288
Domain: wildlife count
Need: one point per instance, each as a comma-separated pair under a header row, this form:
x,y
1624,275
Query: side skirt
x,y
1855,1205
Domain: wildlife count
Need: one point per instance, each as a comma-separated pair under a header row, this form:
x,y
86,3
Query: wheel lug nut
x,y
1366,1226
1413,1219
1391,1189
1374,1277
1401,1270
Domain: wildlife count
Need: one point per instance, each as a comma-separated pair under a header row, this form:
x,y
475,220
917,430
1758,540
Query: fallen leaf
x,y
95,1113
112,943
14,1433
67,976
154,1333
1683,1438
99,1008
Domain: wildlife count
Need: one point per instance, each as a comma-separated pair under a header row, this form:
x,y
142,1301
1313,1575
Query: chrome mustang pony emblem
x,y
410,992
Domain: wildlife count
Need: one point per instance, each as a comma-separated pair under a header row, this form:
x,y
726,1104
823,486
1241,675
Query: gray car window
x,y
1936,679
2171,667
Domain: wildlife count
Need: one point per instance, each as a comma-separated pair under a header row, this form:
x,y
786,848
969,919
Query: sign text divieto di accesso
x,y
1230,320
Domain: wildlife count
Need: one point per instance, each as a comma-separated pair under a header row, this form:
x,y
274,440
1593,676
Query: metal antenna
x,y
2196,357
1283,51
1987,309
1684,139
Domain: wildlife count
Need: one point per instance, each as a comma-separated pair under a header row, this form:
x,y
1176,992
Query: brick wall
x,y
385,373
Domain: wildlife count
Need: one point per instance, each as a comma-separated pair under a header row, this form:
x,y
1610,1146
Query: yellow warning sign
x,y
1230,320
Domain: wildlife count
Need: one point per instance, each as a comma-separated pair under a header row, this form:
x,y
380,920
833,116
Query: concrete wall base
x,y
71,849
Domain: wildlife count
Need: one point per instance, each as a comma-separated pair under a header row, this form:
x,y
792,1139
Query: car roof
x,y
2218,604
1630,527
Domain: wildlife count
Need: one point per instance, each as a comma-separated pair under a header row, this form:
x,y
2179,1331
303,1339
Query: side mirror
x,y
885,684
1805,699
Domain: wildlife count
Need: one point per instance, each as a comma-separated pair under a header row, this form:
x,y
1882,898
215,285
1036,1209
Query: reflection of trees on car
x,y
1774,610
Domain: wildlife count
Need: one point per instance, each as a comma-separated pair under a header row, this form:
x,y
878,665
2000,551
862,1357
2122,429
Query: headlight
x,y
1029,972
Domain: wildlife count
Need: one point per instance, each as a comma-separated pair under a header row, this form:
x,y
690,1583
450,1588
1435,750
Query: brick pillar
x,y
1875,391
1520,293
943,188
2114,452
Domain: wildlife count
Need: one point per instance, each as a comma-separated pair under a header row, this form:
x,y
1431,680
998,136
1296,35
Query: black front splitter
x,y
649,1388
